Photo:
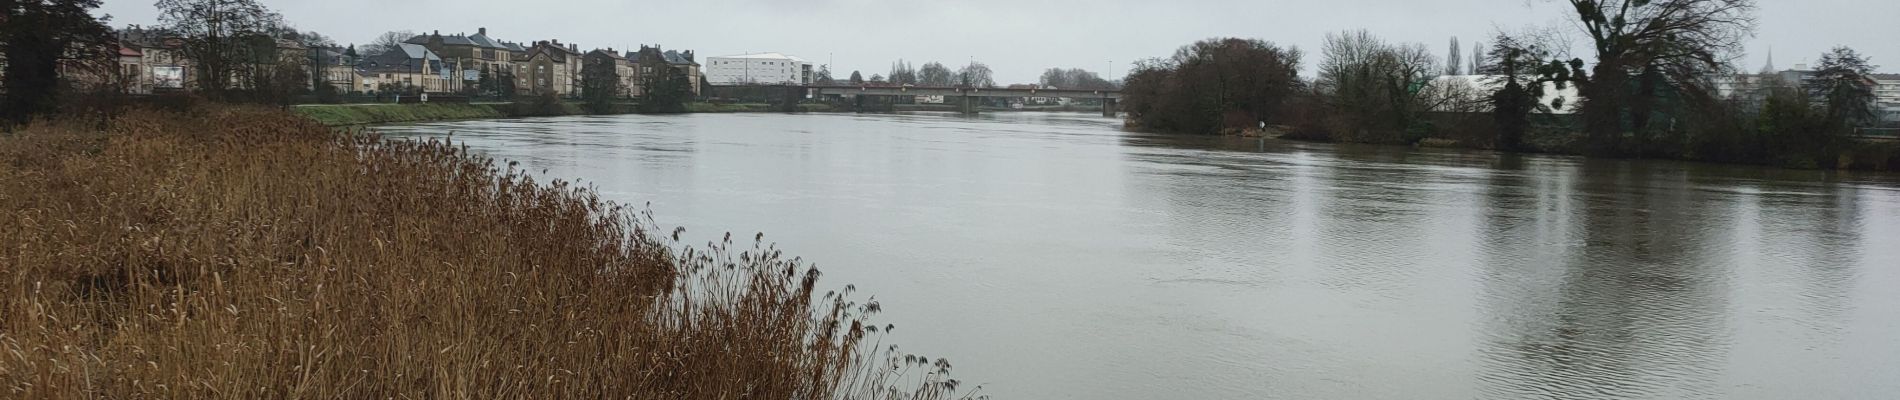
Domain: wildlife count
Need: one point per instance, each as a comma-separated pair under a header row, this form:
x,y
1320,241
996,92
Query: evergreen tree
x,y
824,76
1453,62
667,91
1518,71
1843,85
600,84
37,36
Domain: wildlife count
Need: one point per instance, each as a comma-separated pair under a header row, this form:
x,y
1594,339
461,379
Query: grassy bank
x,y
251,253
366,114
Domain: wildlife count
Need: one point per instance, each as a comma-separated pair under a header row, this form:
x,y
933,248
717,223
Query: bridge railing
x,y
1878,133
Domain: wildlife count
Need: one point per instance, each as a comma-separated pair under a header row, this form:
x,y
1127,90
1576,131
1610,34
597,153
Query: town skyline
x,y
1795,33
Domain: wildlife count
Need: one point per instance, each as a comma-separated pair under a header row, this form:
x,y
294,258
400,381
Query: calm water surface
x,y
1054,256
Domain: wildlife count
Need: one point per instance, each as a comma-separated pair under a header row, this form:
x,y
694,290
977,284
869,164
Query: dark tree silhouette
x,y
667,90
600,83
37,37
1212,86
1645,48
226,39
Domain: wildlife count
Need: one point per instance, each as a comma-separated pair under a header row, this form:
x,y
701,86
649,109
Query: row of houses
x,y
151,61
457,63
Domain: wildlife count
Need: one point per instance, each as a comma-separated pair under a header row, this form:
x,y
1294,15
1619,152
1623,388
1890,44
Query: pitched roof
x,y
416,51
674,57
604,52
406,57
482,39
478,40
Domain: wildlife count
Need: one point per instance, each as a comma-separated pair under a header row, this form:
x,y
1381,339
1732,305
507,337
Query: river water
x,y
1055,256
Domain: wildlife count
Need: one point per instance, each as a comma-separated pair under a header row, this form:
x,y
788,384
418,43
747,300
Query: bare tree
x,y
1376,89
976,75
935,74
902,74
1645,47
1074,78
221,37
386,42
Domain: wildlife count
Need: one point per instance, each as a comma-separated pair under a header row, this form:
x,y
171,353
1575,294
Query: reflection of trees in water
x,y
1604,293
1222,207
1813,237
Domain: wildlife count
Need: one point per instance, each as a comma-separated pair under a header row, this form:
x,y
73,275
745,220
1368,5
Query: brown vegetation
x,y
249,253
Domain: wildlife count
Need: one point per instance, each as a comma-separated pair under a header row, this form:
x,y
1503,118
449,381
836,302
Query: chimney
x,y
573,47
438,33
482,31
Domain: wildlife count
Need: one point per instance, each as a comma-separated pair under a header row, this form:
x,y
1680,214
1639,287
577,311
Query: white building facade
x,y
761,69
1887,95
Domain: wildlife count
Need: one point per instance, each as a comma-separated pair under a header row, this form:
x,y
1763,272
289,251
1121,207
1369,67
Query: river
x,y
1056,256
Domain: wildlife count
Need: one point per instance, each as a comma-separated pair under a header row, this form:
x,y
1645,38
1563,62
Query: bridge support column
x,y
789,97
1110,107
967,105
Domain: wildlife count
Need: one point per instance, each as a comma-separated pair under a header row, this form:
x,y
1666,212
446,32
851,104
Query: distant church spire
x,y
1770,68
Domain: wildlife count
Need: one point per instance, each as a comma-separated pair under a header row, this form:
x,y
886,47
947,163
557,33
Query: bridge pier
x,y
1110,107
967,105
789,97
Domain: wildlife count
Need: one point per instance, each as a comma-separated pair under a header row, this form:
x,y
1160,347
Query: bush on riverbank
x,y
250,253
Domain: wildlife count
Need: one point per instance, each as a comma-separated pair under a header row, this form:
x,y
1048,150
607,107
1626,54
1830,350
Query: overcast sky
x,y
1020,38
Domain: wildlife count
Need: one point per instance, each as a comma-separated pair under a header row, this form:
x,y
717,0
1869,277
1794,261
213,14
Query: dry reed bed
x,y
235,253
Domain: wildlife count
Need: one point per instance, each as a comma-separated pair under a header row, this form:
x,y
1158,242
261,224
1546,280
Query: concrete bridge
x,y
962,97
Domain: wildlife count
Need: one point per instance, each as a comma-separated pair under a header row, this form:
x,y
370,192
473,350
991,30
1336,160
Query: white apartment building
x,y
1887,95
763,68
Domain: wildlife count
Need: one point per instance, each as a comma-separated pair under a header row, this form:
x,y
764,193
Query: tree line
x,y
49,43
1661,83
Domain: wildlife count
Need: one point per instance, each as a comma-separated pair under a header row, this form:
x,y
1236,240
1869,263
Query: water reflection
x,y
1056,256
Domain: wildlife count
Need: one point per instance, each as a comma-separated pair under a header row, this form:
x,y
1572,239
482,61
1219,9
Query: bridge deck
x,y
867,90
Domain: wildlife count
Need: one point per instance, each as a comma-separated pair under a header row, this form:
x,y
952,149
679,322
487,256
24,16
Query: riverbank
x,y
237,252
372,114
368,114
